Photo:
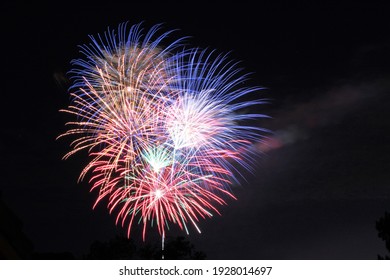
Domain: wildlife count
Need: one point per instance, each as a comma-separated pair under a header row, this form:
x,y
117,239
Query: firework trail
x,y
161,123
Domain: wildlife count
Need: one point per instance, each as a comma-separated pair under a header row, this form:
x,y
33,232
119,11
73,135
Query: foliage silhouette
x,y
383,228
179,249
122,248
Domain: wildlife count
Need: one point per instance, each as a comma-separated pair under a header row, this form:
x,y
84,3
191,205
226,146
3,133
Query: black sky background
x,y
324,178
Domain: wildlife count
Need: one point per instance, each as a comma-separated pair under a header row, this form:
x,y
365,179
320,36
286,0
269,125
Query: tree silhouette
x,y
181,249
122,248
118,248
383,228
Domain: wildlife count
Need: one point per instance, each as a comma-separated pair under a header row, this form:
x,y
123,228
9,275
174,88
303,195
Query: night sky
x,y
318,186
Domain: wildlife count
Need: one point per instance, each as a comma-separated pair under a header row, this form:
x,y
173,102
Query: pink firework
x,y
162,127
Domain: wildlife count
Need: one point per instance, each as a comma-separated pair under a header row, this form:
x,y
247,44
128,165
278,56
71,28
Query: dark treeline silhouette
x,y
383,228
123,248
15,244
120,248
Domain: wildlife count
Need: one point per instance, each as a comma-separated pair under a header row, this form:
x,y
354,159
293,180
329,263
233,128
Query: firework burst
x,y
161,123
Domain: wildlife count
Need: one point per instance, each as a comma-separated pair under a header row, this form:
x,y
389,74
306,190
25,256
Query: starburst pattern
x,y
163,126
